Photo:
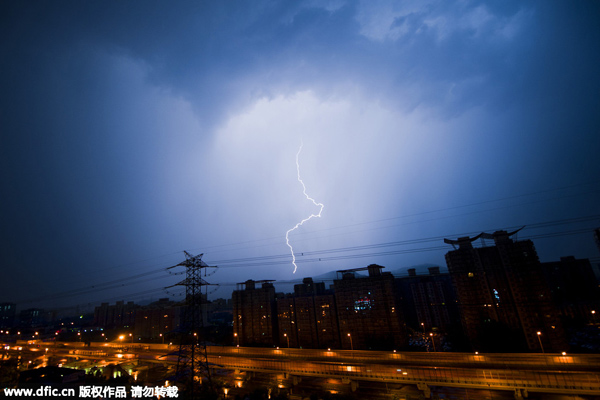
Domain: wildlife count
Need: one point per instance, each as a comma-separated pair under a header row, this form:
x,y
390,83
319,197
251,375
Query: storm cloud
x,y
131,131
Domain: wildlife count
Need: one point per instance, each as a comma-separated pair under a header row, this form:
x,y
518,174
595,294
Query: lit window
x,y
364,303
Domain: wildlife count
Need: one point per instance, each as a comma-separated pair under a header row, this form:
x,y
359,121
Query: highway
x,y
551,373
544,373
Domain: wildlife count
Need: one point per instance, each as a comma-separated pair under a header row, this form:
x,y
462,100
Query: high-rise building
x,y
596,266
574,288
428,301
503,298
254,313
34,317
158,320
308,318
328,333
368,313
119,315
8,311
219,312
286,319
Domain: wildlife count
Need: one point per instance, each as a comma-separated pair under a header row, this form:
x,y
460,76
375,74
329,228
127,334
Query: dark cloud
x,y
133,130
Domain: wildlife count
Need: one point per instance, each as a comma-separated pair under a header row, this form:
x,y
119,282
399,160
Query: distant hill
x,y
331,275
421,269
287,286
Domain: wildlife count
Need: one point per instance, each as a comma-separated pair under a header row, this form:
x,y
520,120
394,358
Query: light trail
x,y
287,234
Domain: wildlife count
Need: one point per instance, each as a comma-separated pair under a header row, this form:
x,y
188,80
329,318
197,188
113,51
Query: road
x,y
544,373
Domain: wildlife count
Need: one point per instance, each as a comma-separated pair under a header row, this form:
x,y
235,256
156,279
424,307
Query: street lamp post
x,y
432,341
539,334
351,345
288,339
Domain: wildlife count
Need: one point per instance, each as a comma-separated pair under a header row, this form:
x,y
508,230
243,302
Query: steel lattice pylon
x,y
192,361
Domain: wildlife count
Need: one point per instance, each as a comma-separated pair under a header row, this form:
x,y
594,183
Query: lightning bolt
x,y
287,234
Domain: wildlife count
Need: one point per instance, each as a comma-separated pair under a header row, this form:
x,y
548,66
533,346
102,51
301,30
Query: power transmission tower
x,y
192,361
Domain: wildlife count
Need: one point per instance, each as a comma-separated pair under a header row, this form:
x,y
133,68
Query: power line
x,y
269,260
281,259
345,227
117,283
272,258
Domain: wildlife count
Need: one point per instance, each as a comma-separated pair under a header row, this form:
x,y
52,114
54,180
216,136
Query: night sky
x,y
133,130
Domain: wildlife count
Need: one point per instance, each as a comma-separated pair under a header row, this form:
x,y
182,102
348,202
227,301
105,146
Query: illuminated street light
x,y
351,345
432,341
288,339
237,338
539,334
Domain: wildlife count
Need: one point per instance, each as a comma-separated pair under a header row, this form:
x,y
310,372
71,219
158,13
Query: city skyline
x,y
492,292
226,288
129,135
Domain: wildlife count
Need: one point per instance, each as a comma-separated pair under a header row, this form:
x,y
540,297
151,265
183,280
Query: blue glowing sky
x,y
131,131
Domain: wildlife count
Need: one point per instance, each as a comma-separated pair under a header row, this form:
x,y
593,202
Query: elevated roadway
x,y
521,373
550,373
